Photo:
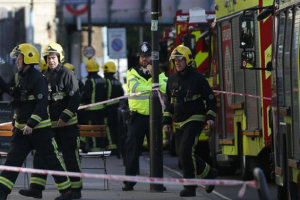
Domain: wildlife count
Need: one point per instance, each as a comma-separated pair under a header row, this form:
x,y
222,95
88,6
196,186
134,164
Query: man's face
x,y
144,61
19,61
52,61
180,64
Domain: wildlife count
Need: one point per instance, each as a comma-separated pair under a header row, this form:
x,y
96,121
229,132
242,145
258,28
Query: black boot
x,y
213,173
127,187
76,194
3,196
31,193
65,196
188,192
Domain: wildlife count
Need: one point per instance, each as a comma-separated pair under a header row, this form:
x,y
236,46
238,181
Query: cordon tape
x,y
180,181
155,88
140,179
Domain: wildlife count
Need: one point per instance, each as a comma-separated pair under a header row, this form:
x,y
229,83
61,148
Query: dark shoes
x,y
38,194
3,196
213,173
188,192
76,194
65,196
31,193
127,187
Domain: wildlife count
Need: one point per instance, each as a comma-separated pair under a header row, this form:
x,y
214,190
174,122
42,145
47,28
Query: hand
x,y
149,69
61,123
27,130
167,128
210,123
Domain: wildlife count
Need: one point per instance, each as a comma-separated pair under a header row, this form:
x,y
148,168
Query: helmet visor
x,y
15,52
176,57
50,53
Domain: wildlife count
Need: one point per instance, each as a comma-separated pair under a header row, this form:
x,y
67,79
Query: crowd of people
x,y
46,115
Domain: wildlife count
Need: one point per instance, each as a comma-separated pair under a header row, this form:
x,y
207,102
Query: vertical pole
x,y
156,152
31,33
118,75
89,23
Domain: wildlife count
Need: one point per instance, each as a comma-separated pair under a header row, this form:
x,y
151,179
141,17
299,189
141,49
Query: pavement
x,y
94,188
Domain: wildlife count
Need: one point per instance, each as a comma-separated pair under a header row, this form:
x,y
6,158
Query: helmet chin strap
x,y
22,68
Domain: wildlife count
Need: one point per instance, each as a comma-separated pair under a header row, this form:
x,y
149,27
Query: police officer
x,y
186,92
114,89
94,91
139,79
31,124
63,102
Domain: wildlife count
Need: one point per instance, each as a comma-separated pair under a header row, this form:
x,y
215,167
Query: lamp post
x,y
156,151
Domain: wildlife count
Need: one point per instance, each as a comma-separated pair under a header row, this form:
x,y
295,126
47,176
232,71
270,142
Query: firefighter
x,y
185,95
31,124
114,89
80,114
94,91
3,87
43,66
139,79
80,83
63,102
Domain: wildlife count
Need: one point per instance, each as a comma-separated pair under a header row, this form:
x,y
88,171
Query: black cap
x,y
144,50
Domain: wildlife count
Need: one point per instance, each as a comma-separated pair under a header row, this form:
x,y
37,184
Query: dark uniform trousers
x,y
113,124
67,139
43,142
95,117
137,129
186,139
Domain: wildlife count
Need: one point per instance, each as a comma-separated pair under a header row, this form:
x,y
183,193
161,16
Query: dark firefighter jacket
x,y
63,96
94,91
188,98
114,87
30,100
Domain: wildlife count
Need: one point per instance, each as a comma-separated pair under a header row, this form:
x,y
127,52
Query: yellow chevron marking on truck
x,y
200,58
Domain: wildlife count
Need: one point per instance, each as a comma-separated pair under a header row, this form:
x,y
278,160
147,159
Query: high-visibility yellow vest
x,y
137,83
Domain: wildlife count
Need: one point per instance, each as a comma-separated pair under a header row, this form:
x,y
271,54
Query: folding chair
x,y
95,131
5,132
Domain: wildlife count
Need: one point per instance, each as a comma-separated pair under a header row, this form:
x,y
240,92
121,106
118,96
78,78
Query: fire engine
x,y
285,94
240,44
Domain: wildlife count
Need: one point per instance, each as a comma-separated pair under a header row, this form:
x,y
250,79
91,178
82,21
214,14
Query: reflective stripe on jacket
x,y
137,83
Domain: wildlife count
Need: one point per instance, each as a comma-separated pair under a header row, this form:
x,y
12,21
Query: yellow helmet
x,y
70,66
109,67
92,66
43,65
181,52
30,53
54,48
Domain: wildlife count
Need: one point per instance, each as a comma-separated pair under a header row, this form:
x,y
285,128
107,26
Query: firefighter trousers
x,y
68,142
43,142
95,117
113,124
137,129
186,139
